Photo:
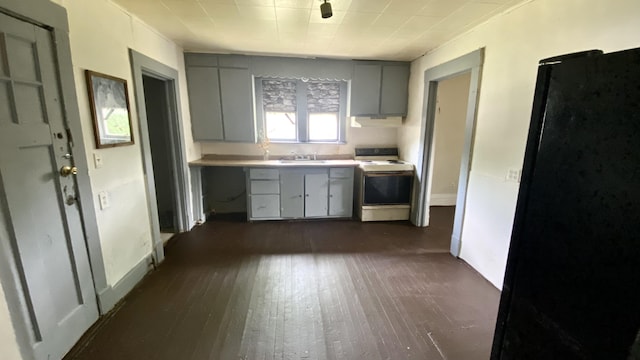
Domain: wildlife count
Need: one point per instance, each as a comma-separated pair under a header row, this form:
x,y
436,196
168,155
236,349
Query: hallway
x,y
304,290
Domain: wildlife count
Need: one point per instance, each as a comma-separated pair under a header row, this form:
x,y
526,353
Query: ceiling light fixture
x,y
325,10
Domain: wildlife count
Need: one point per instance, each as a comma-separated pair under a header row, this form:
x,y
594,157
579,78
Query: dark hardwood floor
x,y
304,290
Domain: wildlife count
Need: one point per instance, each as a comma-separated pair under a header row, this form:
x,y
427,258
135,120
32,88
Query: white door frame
x,y
142,65
54,17
472,63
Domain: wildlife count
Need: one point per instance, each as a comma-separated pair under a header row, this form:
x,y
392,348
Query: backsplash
x,y
356,137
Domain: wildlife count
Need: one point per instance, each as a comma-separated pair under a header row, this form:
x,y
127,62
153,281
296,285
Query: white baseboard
x,y
443,199
108,298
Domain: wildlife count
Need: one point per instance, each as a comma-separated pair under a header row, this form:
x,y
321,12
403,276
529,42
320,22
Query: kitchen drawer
x,y
265,187
264,174
265,206
345,172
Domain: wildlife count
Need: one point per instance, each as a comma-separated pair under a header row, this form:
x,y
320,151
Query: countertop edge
x,y
270,163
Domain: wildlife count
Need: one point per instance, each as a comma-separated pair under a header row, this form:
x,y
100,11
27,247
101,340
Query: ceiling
x,y
358,29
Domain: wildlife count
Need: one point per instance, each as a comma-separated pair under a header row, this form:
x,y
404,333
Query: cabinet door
x,y
235,93
395,90
365,90
316,188
204,103
341,197
291,194
265,206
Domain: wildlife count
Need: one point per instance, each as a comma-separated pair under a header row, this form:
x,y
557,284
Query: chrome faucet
x,y
297,156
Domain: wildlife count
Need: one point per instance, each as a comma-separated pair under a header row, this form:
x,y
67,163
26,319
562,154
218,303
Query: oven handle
x,y
388,173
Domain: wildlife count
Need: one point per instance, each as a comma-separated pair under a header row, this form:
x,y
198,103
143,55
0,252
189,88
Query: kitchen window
x,y
301,110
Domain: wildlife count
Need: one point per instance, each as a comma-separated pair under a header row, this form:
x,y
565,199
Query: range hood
x,y
389,121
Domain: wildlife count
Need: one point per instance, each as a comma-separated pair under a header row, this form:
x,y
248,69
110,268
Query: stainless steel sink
x,y
303,161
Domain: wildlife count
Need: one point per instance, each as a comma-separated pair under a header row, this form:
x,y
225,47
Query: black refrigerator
x,y
572,282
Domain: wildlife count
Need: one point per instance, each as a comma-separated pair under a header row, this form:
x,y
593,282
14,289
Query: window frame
x,y
302,115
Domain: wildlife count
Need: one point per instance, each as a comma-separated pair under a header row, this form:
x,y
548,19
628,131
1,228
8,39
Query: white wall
x,y
513,42
448,138
8,343
101,34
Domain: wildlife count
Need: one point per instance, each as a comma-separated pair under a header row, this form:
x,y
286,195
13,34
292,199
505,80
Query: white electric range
x,y
383,185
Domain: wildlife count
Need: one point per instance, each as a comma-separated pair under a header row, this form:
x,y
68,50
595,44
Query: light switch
x,y
103,197
514,175
97,160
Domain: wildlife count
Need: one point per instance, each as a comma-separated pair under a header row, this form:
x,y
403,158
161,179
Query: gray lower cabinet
x,y
263,189
379,89
220,98
304,193
316,192
341,192
299,193
292,194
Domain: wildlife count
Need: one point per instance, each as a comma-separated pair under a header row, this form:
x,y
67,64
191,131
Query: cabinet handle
x,y
307,195
301,195
330,196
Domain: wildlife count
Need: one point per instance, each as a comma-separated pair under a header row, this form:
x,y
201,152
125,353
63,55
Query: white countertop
x,y
275,163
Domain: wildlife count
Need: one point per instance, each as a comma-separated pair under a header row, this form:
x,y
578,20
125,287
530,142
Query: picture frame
x,y
110,110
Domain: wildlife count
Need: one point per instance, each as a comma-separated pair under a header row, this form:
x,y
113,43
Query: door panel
x,y
43,217
395,90
204,102
316,187
365,90
340,197
236,95
291,194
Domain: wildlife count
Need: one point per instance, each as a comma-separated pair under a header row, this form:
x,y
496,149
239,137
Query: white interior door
x,y
42,214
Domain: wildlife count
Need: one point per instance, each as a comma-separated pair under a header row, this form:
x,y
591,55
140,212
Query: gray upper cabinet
x,y
379,89
365,90
204,102
237,114
220,97
394,94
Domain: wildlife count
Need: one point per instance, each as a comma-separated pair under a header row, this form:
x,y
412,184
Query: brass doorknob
x,y
68,170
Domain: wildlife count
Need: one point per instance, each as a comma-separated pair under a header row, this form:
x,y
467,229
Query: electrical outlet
x,y
97,160
514,175
103,197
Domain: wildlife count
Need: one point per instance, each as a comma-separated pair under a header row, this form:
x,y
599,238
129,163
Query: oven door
x,y
387,188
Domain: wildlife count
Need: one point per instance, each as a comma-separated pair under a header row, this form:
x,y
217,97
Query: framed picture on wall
x,y
109,100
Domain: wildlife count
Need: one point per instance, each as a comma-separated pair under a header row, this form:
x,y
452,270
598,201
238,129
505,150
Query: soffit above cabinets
x,y
358,29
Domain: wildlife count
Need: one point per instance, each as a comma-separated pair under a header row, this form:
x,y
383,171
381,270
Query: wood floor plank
x,y
314,290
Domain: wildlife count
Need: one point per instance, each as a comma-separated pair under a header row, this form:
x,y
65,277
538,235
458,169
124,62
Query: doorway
x,y
156,95
163,150
447,147
462,71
